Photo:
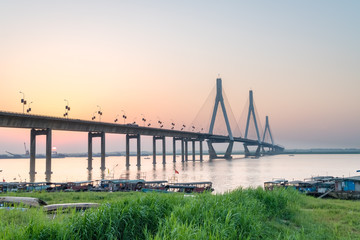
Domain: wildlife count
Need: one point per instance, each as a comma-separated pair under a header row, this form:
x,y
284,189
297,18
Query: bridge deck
x,y
18,120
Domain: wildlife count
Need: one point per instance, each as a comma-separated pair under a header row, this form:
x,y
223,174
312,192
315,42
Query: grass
x,y
73,197
241,214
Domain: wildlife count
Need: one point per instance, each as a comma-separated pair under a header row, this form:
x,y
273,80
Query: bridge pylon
x,y
267,130
251,113
220,100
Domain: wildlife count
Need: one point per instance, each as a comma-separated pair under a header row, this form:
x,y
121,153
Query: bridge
x,y
44,125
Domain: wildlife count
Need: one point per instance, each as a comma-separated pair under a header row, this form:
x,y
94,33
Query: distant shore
x,y
147,153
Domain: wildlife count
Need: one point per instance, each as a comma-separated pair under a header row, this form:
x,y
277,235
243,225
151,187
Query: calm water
x,y
225,174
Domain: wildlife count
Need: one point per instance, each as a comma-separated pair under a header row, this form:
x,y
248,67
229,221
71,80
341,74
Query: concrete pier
x,y
257,152
127,150
102,135
138,147
182,150
201,150
174,149
193,150
89,151
154,150
32,154
48,171
91,135
33,134
164,149
186,150
162,138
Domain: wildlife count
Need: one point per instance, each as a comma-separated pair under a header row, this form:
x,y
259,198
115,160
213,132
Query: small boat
x,y
155,186
123,185
190,187
270,185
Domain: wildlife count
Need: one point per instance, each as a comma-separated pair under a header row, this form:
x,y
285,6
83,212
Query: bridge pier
x,y
174,149
163,148
249,154
91,135
33,134
213,154
201,150
154,150
186,150
182,150
193,150
138,146
229,150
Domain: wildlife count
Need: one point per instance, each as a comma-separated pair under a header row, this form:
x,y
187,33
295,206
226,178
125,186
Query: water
x,y
225,174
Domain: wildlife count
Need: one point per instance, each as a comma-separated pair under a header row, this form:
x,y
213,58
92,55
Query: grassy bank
x,y
241,214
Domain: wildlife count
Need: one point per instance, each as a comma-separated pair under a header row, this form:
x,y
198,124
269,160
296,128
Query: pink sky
x,y
161,59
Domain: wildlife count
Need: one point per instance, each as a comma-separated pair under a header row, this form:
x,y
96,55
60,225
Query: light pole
x,y
183,126
67,109
99,112
143,119
29,109
116,118
172,124
161,124
93,117
23,101
124,115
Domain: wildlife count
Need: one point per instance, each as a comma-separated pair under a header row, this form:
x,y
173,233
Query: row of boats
x,y
106,185
321,186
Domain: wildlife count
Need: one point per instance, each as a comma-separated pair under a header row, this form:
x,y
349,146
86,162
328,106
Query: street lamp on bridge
x,y
23,101
93,117
29,109
67,109
172,124
143,119
124,115
116,118
99,112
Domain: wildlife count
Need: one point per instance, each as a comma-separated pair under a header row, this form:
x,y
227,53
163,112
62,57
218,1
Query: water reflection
x,y
89,175
225,174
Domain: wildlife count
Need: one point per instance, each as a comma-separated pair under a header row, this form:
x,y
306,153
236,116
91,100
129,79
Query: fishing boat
x,y
155,186
197,187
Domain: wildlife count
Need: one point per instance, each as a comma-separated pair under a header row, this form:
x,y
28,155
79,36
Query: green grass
x,y
241,214
73,197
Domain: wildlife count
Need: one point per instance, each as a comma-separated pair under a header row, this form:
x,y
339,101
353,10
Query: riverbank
x,y
250,213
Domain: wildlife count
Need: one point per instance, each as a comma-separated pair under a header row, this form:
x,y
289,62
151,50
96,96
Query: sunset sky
x,y
161,59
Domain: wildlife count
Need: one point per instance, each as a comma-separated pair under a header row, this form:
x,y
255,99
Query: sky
x,y
160,59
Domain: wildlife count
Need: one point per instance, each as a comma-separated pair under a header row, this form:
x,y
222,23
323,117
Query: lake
x,y
225,174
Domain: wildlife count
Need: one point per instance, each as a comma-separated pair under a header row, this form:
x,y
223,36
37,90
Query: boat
x,y
155,186
197,187
79,186
124,185
270,185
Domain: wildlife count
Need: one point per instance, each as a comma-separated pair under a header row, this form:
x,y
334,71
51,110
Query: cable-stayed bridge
x,y
221,116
